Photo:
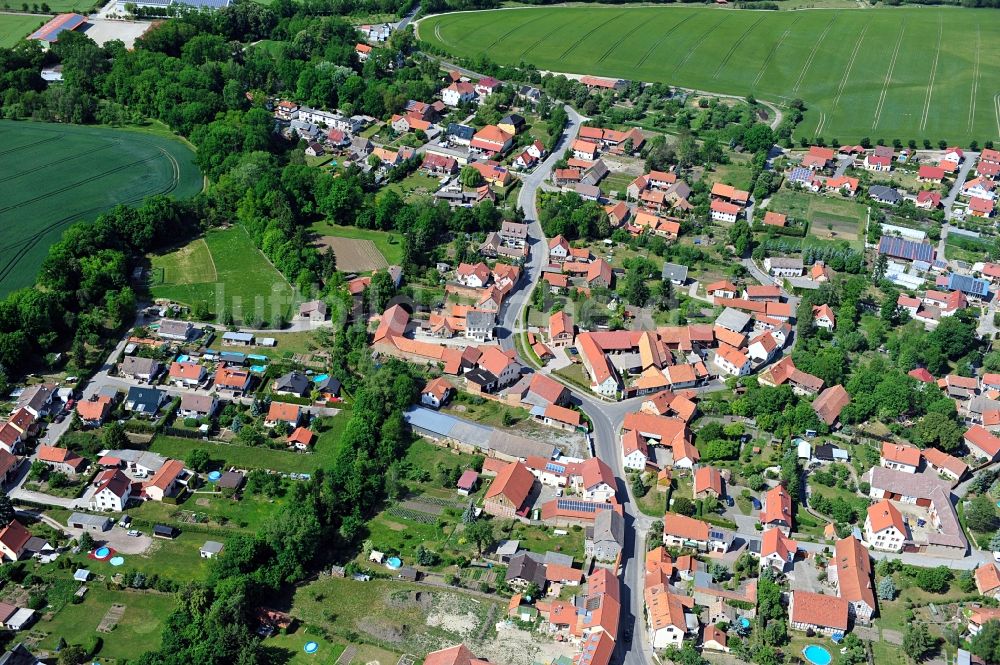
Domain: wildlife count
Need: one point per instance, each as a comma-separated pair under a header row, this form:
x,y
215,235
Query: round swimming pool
x,y
117,561
817,655
394,563
102,552
214,475
745,622
311,647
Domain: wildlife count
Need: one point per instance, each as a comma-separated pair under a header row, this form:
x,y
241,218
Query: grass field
x,y
223,267
389,245
894,73
53,175
829,217
14,28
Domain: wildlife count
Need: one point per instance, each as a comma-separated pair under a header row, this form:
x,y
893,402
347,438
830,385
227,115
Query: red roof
x,y
301,435
818,610
930,172
682,526
59,456
283,411
777,506
14,536
901,454
514,483
983,439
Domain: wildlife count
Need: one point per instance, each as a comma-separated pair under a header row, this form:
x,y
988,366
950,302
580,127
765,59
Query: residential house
x,y
301,438
932,174
491,141
144,402
13,540
186,374
459,92
514,234
283,412
436,393
508,495
982,443
292,383
772,218
635,451
487,85
60,459
885,529
850,571
823,317
777,551
988,580
885,195
732,361
475,276
314,310
667,617
233,380
776,511
561,329
114,490
945,464
818,158
177,331
900,457
707,483
683,531
780,266
606,537
167,482
817,612
725,212
139,369
880,159
197,406
94,412
722,289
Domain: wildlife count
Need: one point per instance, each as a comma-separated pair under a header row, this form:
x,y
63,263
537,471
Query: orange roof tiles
x,y
818,610
514,482
884,515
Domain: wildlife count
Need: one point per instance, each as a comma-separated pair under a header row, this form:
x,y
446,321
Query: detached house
x,y
988,580
139,369
884,527
186,374
459,92
683,531
900,457
61,459
818,612
507,496
491,141
850,570
776,512
114,489
282,412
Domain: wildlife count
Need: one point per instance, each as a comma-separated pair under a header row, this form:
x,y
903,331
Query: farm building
x,y
49,33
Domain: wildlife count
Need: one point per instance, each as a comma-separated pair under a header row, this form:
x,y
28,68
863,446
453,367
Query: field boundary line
x,y
584,36
30,145
774,49
888,77
437,33
996,110
930,82
656,44
63,160
735,45
694,47
511,31
975,77
538,41
850,66
211,257
821,124
812,54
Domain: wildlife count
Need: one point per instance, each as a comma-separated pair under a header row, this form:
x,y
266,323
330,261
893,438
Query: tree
x,y
886,589
980,514
933,580
940,431
86,541
114,437
481,533
986,644
197,459
995,542
72,655
683,506
470,177
6,509
917,641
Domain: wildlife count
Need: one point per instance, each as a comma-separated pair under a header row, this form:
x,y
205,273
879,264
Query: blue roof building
x,y
970,286
901,248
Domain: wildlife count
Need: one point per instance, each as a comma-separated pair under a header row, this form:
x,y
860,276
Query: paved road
x,y
510,312
409,17
963,173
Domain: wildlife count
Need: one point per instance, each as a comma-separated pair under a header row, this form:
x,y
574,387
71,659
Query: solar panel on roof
x,y
558,468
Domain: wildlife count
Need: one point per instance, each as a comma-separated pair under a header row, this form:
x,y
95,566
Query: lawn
x,y
14,27
223,268
736,173
213,511
829,217
389,244
324,452
293,645
54,175
139,629
416,183
888,72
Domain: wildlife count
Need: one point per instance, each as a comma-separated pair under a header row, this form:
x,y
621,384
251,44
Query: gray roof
x,y
675,272
477,319
784,262
172,328
733,319
144,400
142,458
473,434
198,403
588,191
139,365
883,193
230,480
19,655
92,520
508,547
609,525
525,566
212,546
293,382
557,558
237,336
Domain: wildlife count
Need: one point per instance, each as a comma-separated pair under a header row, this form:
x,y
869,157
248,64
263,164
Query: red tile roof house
x,y
509,493
777,550
850,570
879,159
168,481
436,392
928,173
821,613
776,512
94,412
683,531
818,158
13,539
282,412
300,438
467,482
455,655
885,528
561,330
707,482
982,443
491,141
945,464
830,403
900,457
232,379
186,374
61,459
988,580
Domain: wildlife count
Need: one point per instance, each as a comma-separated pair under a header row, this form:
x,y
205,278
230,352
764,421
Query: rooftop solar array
x,y
580,506
51,30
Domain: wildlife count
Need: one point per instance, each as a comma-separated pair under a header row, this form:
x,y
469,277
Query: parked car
x,y
134,533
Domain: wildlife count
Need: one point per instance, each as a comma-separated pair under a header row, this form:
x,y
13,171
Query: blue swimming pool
x,y
102,552
183,359
394,563
117,560
321,378
817,655
311,647
214,475
745,622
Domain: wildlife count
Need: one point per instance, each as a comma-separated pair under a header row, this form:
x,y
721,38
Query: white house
x,y
780,266
635,451
823,317
732,361
885,529
113,491
436,392
458,93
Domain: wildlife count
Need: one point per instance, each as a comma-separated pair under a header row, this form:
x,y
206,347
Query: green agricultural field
x,y
54,175
894,73
226,268
15,27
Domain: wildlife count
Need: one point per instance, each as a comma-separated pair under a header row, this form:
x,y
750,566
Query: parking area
x,y
103,30
118,539
805,576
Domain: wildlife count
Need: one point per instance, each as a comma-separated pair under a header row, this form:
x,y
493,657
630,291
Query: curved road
x,y
607,417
